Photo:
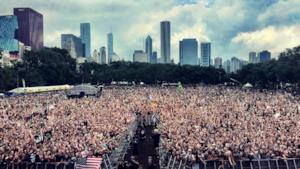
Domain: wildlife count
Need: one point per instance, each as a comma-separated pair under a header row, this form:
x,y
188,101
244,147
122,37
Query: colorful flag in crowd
x,y
88,163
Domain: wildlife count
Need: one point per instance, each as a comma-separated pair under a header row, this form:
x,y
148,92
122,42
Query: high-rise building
x,y
103,55
252,57
72,44
96,56
205,54
218,62
188,52
148,47
110,47
140,56
235,64
226,66
31,29
264,56
8,30
85,35
165,41
153,58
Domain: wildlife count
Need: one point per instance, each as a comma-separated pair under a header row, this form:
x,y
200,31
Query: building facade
x,y
72,44
188,52
153,58
8,33
226,66
165,41
110,47
264,56
85,36
218,62
96,56
102,52
235,64
148,47
31,29
205,54
140,56
253,58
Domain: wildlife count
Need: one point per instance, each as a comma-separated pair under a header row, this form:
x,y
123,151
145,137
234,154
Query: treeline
x,y
54,66
274,73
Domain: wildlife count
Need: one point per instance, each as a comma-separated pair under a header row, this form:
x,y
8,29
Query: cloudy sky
x,y
234,27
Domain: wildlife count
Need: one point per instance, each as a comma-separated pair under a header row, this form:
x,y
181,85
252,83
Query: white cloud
x,y
282,11
218,21
275,39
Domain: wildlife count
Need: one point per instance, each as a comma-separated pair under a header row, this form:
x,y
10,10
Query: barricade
x,y
38,165
173,163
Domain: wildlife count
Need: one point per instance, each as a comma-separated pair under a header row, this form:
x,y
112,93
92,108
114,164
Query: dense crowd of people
x,y
198,123
214,123
50,127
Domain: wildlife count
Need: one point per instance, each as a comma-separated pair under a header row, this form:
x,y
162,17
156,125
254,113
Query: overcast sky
x,y
234,27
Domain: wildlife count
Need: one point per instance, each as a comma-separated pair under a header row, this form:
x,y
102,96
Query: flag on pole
x,y
88,163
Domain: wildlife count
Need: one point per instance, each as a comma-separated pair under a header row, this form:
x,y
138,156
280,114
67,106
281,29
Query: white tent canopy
x,y
247,85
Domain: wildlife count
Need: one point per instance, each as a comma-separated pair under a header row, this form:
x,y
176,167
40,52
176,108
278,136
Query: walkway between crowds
x,y
143,151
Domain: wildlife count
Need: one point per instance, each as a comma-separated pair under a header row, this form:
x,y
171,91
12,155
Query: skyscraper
x,y
8,28
85,35
218,62
205,54
165,41
226,66
235,64
110,47
96,56
188,52
31,29
72,44
148,47
103,55
153,58
264,56
252,57
140,56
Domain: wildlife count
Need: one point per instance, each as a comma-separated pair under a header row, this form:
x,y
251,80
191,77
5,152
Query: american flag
x,y
88,163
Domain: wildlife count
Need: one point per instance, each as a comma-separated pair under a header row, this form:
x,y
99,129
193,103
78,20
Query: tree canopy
x,y
272,73
54,66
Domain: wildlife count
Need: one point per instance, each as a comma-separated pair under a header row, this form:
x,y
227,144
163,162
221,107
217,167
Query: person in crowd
x,y
204,122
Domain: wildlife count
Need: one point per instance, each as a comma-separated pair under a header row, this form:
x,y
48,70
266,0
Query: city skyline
x,y
255,27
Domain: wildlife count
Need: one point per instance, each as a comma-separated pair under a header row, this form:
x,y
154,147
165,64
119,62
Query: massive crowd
x,y
213,123
50,127
206,123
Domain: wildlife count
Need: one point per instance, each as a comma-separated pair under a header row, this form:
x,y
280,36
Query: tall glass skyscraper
x,y
110,47
205,54
165,41
188,52
72,44
8,31
31,28
85,36
148,47
103,55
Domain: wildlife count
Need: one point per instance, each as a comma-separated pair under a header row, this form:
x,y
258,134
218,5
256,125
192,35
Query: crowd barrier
x,y
112,161
38,165
170,162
